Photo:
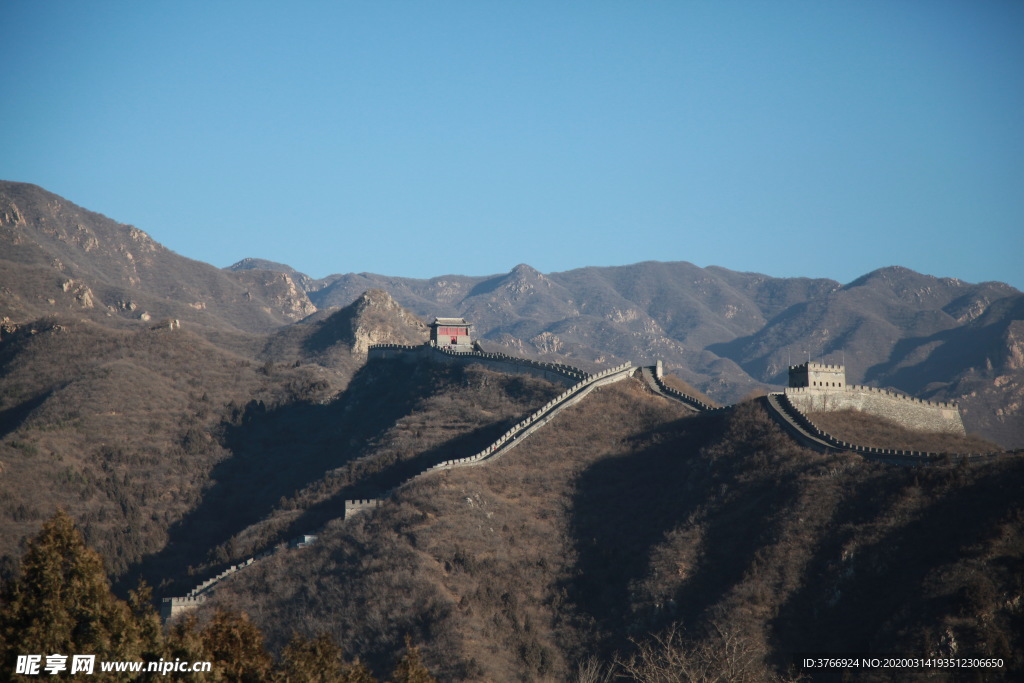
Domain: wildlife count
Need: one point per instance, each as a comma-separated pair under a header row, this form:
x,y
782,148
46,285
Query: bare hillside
x,y
624,516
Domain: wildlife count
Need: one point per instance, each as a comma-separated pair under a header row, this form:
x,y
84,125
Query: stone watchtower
x,y
818,376
817,387
451,333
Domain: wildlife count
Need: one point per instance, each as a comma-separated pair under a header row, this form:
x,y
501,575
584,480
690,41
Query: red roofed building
x,y
451,333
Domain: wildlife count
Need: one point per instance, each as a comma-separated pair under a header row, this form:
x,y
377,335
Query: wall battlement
x,y
908,412
359,505
875,390
815,438
819,366
172,607
691,401
820,387
785,406
555,372
511,438
818,375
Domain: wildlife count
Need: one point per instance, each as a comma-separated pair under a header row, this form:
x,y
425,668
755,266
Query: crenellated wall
x,y
565,375
354,507
787,408
822,376
171,607
782,409
513,436
654,381
908,412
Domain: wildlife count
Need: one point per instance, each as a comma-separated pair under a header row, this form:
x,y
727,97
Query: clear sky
x,y
812,138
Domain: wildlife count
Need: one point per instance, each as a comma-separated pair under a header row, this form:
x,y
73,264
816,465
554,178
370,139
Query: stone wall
x,y
666,390
565,375
820,375
403,352
354,507
789,408
172,607
569,397
513,436
908,412
798,425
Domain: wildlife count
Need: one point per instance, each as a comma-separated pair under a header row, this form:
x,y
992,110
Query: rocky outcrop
x,y
379,319
280,291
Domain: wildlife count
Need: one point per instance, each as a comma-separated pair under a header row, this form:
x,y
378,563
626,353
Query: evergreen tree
x,y
356,672
410,667
185,643
235,646
140,601
61,603
319,660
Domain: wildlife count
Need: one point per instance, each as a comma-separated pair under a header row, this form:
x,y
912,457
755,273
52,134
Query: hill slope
x,y
58,258
623,517
130,430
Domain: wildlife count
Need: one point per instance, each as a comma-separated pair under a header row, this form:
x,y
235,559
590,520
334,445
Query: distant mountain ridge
x,y
728,333
60,258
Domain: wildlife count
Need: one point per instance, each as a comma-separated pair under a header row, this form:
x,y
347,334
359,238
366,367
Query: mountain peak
x,y
376,298
523,270
376,318
261,264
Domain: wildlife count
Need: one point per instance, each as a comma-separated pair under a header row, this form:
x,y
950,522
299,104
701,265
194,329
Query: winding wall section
x,y
655,384
171,607
778,405
797,425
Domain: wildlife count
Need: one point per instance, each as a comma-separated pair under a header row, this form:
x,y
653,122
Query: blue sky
x,y
792,138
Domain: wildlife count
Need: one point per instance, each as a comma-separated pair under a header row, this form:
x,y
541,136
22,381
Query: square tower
x,y
451,333
818,376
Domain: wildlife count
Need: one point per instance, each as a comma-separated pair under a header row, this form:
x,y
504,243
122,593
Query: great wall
x,y
824,389
587,382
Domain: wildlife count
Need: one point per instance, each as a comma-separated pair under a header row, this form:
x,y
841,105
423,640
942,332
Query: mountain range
x,y
727,333
188,417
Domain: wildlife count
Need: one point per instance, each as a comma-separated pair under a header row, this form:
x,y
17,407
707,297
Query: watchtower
x,y
818,376
451,333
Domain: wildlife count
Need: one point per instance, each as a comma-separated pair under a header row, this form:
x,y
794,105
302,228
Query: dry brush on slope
x,y
865,429
622,518
120,427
